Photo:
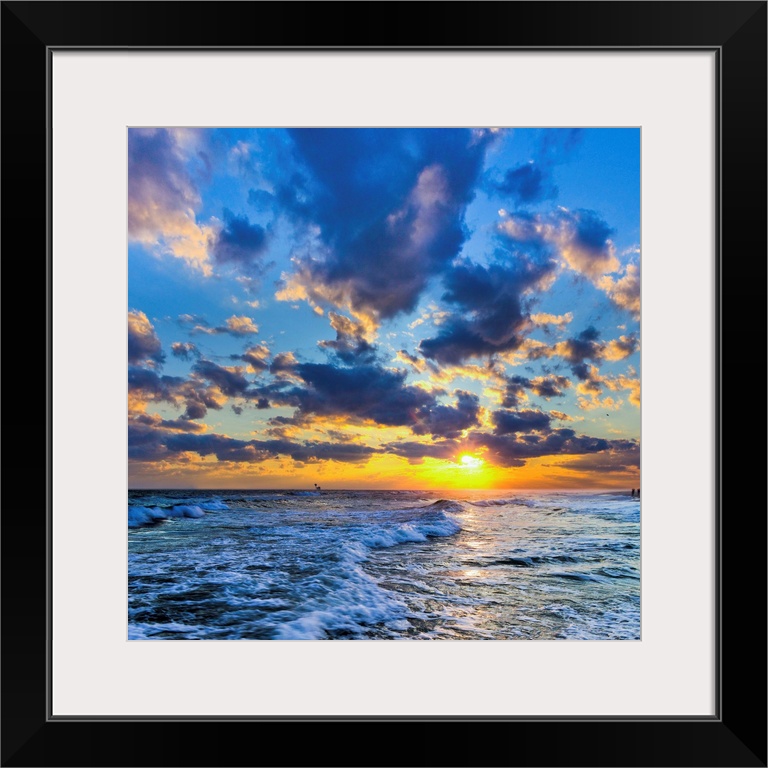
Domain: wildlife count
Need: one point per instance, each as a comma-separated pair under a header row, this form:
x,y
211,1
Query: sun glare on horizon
x,y
471,462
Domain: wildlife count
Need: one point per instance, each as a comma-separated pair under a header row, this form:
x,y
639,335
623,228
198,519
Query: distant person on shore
x,y
638,493
633,493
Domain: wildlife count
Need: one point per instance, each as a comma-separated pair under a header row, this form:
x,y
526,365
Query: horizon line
x,y
408,490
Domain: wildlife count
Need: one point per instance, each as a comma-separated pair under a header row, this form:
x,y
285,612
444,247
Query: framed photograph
x,y
359,335
385,426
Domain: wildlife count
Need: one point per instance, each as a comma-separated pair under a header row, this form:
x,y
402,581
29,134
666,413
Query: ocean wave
x,y
446,507
418,529
139,517
354,565
492,502
444,504
578,576
214,505
347,611
502,502
526,561
619,572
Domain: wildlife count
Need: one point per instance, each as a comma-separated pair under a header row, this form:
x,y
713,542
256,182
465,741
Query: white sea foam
x,y
499,502
416,530
138,516
360,565
150,631
142,516
357,603
213,505
185,510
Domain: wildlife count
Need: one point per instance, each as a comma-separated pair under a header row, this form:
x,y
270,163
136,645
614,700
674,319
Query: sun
x,y
471,462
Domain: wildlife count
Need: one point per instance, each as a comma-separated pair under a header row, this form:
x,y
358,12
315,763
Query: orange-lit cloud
x,y
580,237
162,198
144,346
544,318
618,349
591,389
624,292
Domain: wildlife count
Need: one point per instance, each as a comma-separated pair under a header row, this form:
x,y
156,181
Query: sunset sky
x,y
384,308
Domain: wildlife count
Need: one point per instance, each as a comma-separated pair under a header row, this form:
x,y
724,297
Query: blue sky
x,y
384,307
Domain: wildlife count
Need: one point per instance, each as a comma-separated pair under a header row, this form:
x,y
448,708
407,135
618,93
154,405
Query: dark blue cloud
x,y
543,386
389,205
351,349
283,362
459,341
183,425
583,347
312,452
583,373
589,334
449,421
365,392
150,383
532,182
223,447
149,420
150,444
623,456
417,452
576,351
256,357
143,343
145,443
508,422
514,391
194,395
231,382
525,184
350,345
493,317
196,409
591,232
513,450
550,386
370,392
240,244
185,350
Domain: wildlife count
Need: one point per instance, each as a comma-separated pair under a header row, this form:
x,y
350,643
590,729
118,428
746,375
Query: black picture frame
x,y
736,735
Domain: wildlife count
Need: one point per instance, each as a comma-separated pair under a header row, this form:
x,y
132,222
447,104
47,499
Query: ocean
x,y
383,565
